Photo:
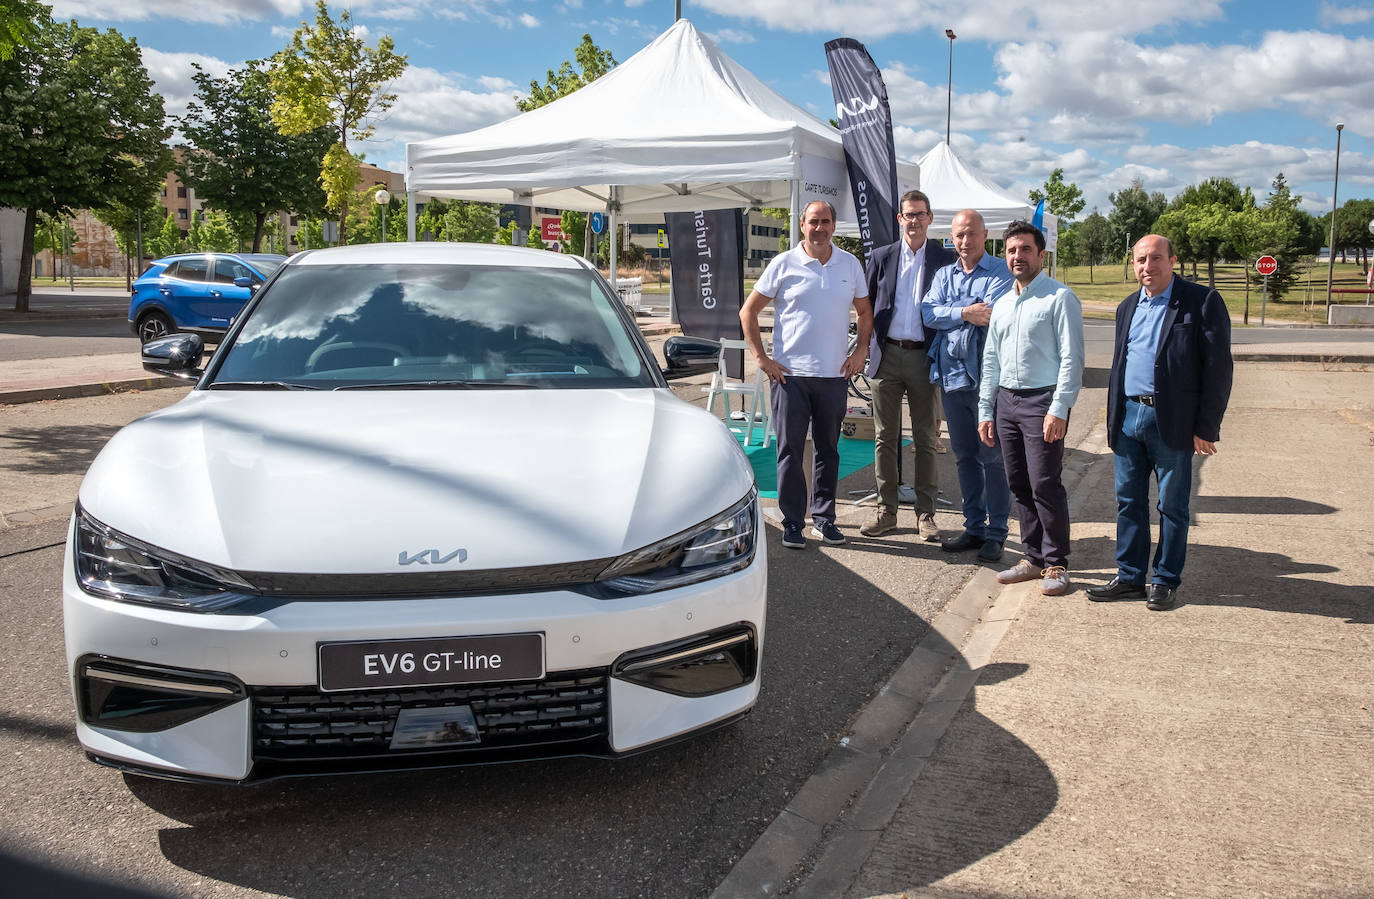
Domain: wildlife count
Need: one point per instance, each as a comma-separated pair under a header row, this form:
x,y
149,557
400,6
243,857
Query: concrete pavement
x,y
1062,747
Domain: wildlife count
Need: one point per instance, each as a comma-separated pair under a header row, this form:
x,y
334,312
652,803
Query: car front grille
x,y
565,713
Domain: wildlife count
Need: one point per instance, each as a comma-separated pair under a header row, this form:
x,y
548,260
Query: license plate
x,y
430,662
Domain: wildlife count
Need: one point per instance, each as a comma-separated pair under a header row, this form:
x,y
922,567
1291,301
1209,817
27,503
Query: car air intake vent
x,y
302,723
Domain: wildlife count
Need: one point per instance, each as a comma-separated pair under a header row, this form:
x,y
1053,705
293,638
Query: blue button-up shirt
x,y
956,345
1142,341
1035,339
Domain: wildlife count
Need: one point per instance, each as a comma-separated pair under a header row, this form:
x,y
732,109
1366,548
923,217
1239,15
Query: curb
x,y
1321,358
73,391
838,816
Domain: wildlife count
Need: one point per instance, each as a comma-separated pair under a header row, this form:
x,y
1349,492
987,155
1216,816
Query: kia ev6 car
x,y
428,504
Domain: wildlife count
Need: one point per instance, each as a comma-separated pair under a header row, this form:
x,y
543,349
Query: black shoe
x,y
792,536
827,531
1160,598
991,551
963,543
1116,588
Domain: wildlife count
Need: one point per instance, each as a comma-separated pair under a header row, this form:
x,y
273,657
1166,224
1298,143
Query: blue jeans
x,y
1140,450
982,477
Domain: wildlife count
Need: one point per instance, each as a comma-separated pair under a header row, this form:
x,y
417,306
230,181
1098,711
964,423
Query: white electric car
x,y
428,504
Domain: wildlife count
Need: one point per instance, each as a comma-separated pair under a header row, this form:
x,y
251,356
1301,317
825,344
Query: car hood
x,y
345,482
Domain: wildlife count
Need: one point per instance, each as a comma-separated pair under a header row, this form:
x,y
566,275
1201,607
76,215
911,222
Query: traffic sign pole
x,y
1264,300
1266,266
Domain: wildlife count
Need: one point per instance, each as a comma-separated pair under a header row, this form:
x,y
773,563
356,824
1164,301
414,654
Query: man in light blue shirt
x,y
956,311
1032,371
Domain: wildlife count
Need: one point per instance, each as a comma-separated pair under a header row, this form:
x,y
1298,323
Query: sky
x,y
1169,92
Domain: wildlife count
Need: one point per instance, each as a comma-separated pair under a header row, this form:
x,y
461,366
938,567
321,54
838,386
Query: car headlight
x,y
716,547
116,566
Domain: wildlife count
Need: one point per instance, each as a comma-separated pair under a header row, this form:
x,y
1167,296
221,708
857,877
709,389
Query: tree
x,y
81,125
330,78
1094,240
1063,199
1248,232
238,160
19,23
576,234
167,241
1352,229
1285,235
1134,213
470,222
592,61
1205,206
212,232
53,233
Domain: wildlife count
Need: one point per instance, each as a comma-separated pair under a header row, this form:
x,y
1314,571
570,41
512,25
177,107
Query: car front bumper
x,y
262,713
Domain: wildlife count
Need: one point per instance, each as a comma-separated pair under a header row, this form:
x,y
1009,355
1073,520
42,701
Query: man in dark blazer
x,y
1170,382
898,277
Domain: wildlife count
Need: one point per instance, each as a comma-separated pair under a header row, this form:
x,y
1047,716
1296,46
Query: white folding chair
x,y
753,395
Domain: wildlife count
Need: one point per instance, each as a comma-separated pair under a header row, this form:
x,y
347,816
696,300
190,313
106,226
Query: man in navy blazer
x,y
1170,382
898,277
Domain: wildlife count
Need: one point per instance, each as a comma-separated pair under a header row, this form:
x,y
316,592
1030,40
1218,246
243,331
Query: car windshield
x,y
417,326
265,265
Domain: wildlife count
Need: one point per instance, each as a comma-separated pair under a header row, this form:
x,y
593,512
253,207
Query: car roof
x,y
246,257
438,253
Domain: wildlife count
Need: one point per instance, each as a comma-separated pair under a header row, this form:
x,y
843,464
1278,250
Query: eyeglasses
x,y
913,216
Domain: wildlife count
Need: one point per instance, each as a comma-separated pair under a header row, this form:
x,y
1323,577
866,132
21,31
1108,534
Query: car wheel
x,y
154,325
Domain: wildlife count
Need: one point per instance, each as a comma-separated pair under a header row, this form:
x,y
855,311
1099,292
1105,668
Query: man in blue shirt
x,y
1032,371
956,311
1170,382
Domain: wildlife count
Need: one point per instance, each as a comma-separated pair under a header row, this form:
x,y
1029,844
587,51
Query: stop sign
x,y
1266,265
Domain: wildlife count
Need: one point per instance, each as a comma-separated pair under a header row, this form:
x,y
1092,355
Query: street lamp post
x,y
949,84
1331,239
382,197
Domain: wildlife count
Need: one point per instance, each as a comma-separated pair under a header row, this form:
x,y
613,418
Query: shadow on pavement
x,y
667,823
60,449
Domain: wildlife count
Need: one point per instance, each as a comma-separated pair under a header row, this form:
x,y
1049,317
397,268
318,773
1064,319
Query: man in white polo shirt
x,y
814,285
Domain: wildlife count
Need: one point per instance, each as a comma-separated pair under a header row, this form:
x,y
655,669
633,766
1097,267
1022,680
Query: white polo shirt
x,y
811,309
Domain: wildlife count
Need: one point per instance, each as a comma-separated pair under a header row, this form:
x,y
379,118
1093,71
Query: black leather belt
x,y
1145,399
908,344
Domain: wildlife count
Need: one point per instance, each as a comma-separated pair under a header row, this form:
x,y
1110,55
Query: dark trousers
x,y
799,403
1034,474
982,478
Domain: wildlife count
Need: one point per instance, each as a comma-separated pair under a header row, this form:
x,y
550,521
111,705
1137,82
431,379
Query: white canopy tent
x,y
679,126
952,185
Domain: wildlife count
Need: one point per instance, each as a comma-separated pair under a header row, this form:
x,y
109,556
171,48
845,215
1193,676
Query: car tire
x,y
154,325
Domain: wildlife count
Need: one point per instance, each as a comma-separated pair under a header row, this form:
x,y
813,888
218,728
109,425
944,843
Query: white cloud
x,y
529,21
733,36
1331,14
213,11
430,103
172,76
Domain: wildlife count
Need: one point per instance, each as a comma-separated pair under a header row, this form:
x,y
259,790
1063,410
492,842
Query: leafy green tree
x,y
19,23
1062,198
470,222
592,63
55,234
1205,206
1285,233
1095,240
330,78
506,236
80,125
1248,232
167,240
212,232
1133,214
1352,229
534,241
237,159
1172,225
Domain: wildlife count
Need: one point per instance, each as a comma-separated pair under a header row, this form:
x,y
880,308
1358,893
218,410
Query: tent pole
x,y
794,220
410,216
612,207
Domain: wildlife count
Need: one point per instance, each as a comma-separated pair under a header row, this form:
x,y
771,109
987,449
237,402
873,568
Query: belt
x,y
908,344
1145,399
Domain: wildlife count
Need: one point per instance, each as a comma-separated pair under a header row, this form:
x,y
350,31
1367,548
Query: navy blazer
x,y
1193,367
884,265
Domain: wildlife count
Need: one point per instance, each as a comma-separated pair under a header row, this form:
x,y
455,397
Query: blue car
x,y
196,292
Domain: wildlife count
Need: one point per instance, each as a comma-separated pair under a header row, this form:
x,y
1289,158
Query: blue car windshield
x,y
416,326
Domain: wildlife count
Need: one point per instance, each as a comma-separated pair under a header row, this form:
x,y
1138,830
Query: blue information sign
x,y
598,222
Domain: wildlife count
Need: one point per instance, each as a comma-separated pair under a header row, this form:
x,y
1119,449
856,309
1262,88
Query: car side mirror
x,y
176,355
687,356
248,282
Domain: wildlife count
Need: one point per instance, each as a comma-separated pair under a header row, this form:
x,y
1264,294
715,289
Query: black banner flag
x,y
708,275
866,127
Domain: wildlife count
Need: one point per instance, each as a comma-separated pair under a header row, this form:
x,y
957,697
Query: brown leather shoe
x,y
925,527
884,522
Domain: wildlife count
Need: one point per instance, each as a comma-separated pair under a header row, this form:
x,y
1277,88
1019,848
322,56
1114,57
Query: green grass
x,y
1305,304
82,281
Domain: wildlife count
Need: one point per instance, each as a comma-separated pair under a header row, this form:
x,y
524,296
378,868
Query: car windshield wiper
x,y
436,385
259,385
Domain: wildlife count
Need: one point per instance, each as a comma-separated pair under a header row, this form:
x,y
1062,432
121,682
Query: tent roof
x,y
952,186
678,126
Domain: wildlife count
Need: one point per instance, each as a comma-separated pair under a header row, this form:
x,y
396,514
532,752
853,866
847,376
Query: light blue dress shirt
x,y
1143,340
957,345
906,304
1035,339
